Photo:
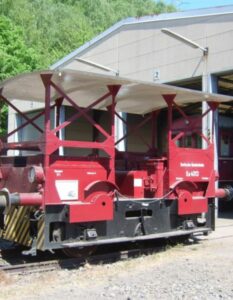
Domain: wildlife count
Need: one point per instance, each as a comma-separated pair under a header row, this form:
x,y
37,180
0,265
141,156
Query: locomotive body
x,y
224,147
50,200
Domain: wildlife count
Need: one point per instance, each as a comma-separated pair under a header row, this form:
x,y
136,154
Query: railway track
x,y
22,265
12,262
73,263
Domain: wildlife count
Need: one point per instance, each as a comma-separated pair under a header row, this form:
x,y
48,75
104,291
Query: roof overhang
x,y
84,88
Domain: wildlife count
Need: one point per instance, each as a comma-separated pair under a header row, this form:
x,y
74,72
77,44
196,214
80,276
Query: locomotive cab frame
x,y
53,201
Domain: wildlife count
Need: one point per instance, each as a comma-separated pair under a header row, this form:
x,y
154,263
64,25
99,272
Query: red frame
x,y
200,185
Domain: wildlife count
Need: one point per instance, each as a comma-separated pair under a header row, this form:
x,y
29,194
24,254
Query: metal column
x,y
210,84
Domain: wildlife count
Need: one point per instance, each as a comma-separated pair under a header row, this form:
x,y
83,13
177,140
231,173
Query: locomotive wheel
x,y
183,239
79,252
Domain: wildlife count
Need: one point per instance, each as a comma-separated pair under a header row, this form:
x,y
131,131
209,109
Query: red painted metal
x,y
148,182
189,167
132,183
87,184
58,175
27,199
221,193
225,135
100,209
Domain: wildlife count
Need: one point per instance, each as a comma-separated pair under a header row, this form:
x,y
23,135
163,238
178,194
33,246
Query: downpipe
x,y
8,200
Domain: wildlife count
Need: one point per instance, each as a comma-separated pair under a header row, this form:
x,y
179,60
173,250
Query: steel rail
x,y
73,263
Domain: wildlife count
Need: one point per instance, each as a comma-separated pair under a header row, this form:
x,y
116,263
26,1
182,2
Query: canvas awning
x,y
85,87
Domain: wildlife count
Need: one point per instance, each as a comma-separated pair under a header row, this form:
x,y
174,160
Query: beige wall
x,y
137,50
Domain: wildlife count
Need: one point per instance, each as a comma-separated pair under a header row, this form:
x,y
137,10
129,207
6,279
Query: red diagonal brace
x,y
169,98
24,124
80,113
181,111
132,130
61,92
20,113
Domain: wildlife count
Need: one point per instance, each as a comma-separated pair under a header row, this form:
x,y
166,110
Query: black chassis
x,y
133,220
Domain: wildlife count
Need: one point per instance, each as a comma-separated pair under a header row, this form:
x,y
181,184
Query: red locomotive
x,y
69,194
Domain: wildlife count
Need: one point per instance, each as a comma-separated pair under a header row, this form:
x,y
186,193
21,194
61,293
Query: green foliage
x,y
53,28
15,56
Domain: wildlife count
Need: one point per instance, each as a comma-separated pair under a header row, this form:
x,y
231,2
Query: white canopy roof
x,y
84,88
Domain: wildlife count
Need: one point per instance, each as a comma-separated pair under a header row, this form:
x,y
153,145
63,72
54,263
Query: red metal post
x,y
46,78
114,90
170,101
58,111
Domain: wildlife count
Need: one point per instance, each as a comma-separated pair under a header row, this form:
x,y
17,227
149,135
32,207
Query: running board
x,y
136,238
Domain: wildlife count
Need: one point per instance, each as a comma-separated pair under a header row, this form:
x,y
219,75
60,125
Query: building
x,y
138,48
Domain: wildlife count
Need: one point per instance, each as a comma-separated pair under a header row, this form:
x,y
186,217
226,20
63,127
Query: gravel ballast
x,y
202,270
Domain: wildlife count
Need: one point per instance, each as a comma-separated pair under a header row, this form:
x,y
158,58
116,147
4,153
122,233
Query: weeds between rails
x,y
14,262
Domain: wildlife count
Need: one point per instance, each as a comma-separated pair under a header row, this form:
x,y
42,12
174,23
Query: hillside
x,y
36,33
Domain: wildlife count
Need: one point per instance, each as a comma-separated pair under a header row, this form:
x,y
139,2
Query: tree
x,y
53,28
15,58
